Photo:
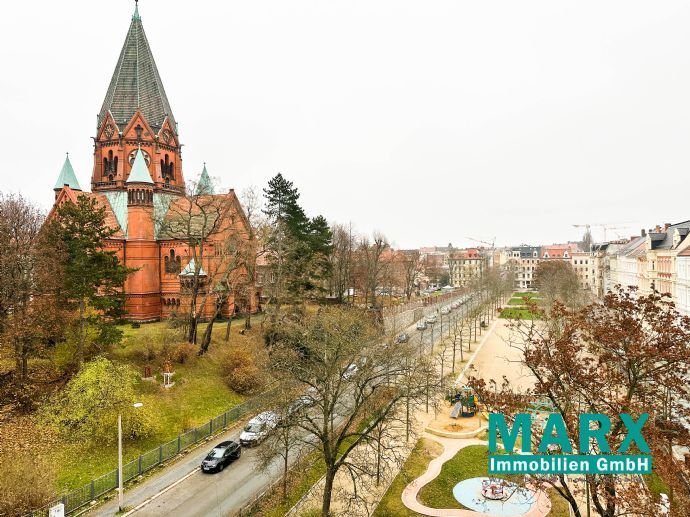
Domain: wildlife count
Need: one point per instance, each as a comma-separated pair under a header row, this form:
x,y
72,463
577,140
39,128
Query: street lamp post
x,y
120,489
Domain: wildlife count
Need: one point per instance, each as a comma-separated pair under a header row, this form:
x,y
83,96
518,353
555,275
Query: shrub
x,y
183,352
240,372
88,407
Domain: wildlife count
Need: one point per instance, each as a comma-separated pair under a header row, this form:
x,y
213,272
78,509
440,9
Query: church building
x,y
138,178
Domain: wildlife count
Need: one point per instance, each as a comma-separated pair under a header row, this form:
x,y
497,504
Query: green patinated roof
x,y
67,176
190,269
205,185
140,172
118,202
136,83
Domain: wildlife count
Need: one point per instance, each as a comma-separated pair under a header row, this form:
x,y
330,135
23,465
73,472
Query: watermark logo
x,y
593,427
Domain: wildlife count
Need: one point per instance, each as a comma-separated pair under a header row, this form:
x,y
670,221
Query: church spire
x,y
136,83
205,185
67,177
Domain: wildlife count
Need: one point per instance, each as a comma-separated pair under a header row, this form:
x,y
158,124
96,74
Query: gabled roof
x,y
664,239
111,220
67,176
136,83
140,171
190,269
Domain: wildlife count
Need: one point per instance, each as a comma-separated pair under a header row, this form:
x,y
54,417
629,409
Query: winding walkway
x,y
451,447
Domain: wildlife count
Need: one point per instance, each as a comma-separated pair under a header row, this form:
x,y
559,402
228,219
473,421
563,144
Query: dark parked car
x,y
221,455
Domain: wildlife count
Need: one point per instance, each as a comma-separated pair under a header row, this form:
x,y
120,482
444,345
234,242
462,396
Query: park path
x,y
451,446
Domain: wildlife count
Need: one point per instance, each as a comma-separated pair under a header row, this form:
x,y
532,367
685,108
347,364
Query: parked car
x,y
421,325
258,428
220,456
402,338
455,305
445,309
350,371
431,319
300,403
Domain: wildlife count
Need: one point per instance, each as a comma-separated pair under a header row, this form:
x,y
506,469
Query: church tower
x,y
136,115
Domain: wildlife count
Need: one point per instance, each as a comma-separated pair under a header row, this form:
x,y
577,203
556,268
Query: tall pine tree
x,y
298,246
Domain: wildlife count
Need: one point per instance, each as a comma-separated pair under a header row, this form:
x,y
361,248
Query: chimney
x,y
643,233
667,226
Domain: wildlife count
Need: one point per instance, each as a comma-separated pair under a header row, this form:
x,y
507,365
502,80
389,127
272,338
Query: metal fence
x,y
80,497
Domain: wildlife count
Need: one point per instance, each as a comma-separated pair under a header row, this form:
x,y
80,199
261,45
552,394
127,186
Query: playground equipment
x,y
494,489
464,402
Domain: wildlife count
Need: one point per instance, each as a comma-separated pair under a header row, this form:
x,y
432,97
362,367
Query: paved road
x,y
223,493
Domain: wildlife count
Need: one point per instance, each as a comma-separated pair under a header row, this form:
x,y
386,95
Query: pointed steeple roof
x,y
140,172
67,177
136,83
205,185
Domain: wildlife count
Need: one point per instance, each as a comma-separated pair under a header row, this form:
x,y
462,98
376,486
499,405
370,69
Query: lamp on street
x,y
120,489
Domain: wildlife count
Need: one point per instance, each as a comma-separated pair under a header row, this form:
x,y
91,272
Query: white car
x,y
445,310
421,325
258,428
350,371
431,319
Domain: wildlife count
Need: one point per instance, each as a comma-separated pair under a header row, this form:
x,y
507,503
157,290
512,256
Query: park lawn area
x,y
391,504
517,313
199,394
531,294
469,462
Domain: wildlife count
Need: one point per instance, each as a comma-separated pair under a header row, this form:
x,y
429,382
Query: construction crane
x,y
605,226
491,244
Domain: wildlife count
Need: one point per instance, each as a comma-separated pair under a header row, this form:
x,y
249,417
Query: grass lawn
x,y
469,462
199,394
532,294
656,485
391,504
517,313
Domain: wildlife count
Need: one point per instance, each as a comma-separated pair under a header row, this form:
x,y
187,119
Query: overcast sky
x,y
429,120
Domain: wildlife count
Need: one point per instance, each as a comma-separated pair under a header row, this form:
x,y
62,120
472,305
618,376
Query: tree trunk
x,y
208,334
327,492
227,329
285,473
80,344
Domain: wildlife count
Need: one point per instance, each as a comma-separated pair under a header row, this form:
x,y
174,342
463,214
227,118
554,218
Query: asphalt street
x,y
223,493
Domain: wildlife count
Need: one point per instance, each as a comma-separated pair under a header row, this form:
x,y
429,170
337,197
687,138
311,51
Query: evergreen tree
x,y
298,247
92,278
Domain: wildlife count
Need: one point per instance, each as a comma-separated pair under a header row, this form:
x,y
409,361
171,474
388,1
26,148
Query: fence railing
x,y
80,497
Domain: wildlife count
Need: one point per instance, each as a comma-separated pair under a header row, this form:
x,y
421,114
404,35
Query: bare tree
x,y
202,223
286,441
341,261
411,269
370,253
356,382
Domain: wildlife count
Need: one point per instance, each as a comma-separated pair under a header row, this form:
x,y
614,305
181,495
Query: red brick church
x,y
137,177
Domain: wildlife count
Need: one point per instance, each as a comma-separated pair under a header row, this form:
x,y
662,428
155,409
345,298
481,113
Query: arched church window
x,y
172,263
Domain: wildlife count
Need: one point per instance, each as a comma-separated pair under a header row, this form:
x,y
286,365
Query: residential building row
x,y
656,260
